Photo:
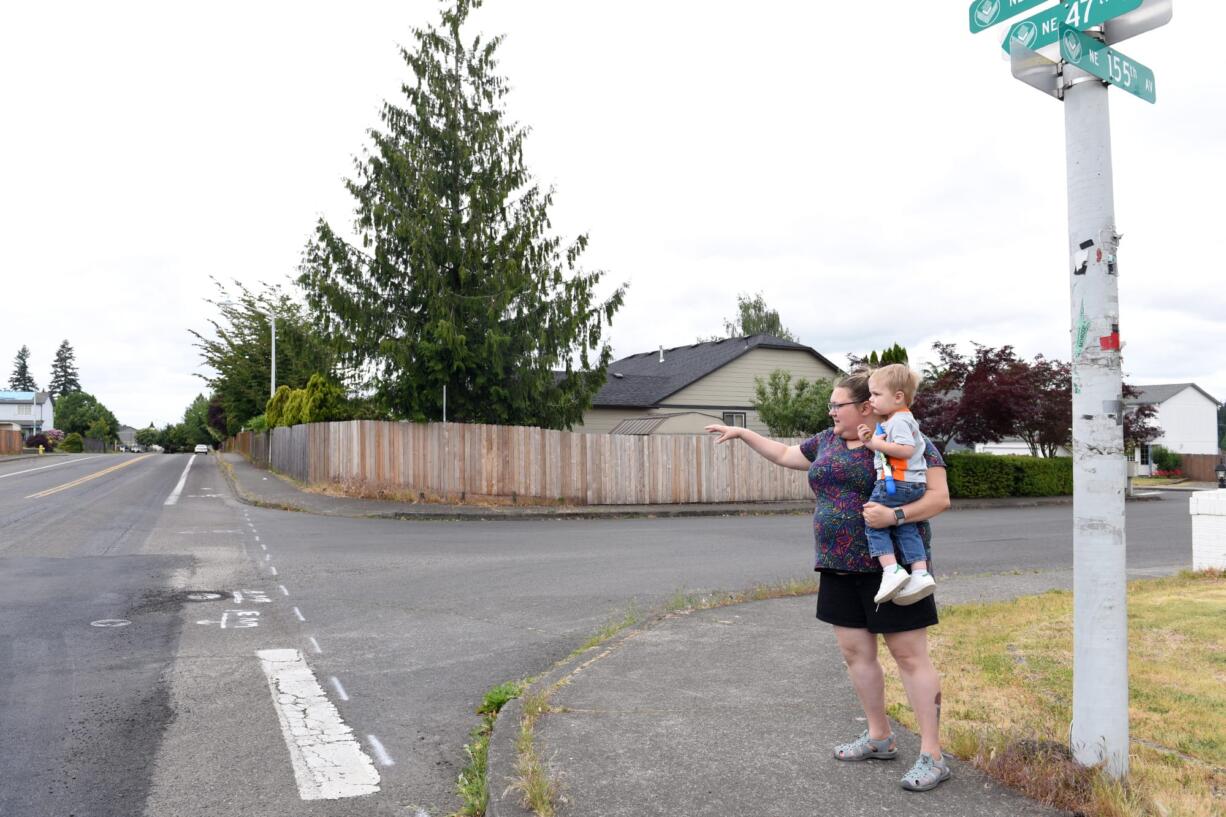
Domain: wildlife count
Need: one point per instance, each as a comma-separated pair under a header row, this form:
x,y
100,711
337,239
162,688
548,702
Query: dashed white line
x,y
257,538
267,556
381,754
273,569
298,613
340,690
284,592
315,645
328,762
174,495
263,547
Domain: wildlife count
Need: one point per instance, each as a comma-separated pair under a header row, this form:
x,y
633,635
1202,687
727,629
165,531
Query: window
x,y
1145,455
734,418
25,410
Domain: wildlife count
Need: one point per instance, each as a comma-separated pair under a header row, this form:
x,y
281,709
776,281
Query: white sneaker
x,y
891,582
920,586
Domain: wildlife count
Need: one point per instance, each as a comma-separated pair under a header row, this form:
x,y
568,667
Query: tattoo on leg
x,y
938,703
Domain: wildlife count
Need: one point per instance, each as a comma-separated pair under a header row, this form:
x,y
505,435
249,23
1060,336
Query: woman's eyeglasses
x,y
837,406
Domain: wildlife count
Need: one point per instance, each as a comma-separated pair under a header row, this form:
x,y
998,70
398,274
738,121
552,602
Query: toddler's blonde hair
x,y
897,377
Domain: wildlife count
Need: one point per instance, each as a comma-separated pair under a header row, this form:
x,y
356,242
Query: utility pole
x,y
1080,33
1100,621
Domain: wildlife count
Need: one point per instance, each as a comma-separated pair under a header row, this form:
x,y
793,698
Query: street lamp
x,y
272,318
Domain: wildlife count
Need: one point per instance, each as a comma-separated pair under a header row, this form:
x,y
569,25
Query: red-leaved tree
x,y
973,399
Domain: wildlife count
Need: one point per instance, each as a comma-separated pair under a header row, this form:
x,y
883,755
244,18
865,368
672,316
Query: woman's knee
x,y
910,651
859,647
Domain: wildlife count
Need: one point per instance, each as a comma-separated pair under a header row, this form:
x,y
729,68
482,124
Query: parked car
x,y
202,449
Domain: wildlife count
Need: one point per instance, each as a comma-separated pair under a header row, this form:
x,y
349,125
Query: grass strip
x,y
1007,682
472,784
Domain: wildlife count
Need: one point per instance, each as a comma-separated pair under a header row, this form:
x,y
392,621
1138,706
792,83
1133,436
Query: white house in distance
x,y
682,389
33,411
1187,415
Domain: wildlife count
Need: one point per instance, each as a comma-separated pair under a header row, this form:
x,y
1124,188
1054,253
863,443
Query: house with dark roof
x,y
682,389
1187,415
33,411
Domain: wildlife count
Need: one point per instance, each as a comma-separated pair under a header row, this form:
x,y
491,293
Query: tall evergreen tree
x,y
64,378
456,281
21,379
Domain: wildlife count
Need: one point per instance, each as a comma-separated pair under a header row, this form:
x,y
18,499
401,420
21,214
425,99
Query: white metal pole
x,y
1100,627
273,391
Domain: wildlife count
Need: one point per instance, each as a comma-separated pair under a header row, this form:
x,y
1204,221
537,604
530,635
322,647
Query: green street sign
x,y
987,13
1043,29
1107,64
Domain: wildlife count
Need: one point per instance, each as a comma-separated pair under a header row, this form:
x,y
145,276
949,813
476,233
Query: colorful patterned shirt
x,y
842,479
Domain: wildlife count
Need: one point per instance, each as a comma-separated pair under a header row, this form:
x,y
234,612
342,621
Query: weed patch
x,y
1007,689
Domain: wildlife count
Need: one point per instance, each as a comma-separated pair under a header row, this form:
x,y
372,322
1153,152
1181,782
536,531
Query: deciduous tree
x,y
975,399
456,280
792,410
76,411
239,352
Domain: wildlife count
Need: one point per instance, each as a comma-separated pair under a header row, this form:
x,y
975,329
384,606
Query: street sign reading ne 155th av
x,y
1107,64
1043,29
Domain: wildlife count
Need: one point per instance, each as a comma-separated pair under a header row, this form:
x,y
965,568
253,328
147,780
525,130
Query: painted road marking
x,y
110,622
174,495
315,645
298,613
284,592
381,754
45,467
235,619
86,478
328,762
340,690
273,569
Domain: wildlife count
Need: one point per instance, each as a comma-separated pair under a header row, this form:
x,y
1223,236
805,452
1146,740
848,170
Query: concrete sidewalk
x,y
735,711
257,486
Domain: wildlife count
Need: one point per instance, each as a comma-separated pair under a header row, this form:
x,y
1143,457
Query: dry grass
x,y
1007,686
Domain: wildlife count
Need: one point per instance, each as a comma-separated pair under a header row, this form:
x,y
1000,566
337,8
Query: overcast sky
x,y
820,153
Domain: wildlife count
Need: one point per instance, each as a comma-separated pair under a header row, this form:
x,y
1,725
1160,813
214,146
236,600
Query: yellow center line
x,y
86,478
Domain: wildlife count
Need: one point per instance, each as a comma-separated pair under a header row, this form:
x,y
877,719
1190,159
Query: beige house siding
x,y
731,388
602,421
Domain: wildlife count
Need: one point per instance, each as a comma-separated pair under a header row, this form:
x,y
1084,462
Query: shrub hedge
x,y
992,475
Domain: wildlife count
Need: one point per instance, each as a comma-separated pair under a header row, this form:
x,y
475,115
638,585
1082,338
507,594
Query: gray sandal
x,y
926,774
865,748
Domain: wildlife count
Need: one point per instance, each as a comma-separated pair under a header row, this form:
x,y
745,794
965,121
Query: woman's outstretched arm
x,y
788,456
934,501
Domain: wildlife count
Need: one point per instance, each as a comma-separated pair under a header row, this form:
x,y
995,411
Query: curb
x,y
30,457
447,513
501,755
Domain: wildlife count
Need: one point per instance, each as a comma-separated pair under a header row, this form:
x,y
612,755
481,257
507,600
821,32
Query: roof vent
x,y
661,354
618,374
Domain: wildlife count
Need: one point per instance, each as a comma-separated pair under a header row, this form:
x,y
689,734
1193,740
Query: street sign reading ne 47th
x,y
1107,64
987,13
1043,29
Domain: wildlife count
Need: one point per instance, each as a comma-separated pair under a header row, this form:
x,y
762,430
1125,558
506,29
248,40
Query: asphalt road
x,y
403,625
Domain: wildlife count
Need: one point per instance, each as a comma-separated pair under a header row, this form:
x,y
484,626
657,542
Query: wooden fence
x,y
450,461
1199,467
11,441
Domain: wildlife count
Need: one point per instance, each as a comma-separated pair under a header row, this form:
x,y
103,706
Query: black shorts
x,y
847,601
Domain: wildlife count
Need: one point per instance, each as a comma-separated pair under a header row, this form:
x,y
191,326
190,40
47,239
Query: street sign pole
x,y
1100,628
